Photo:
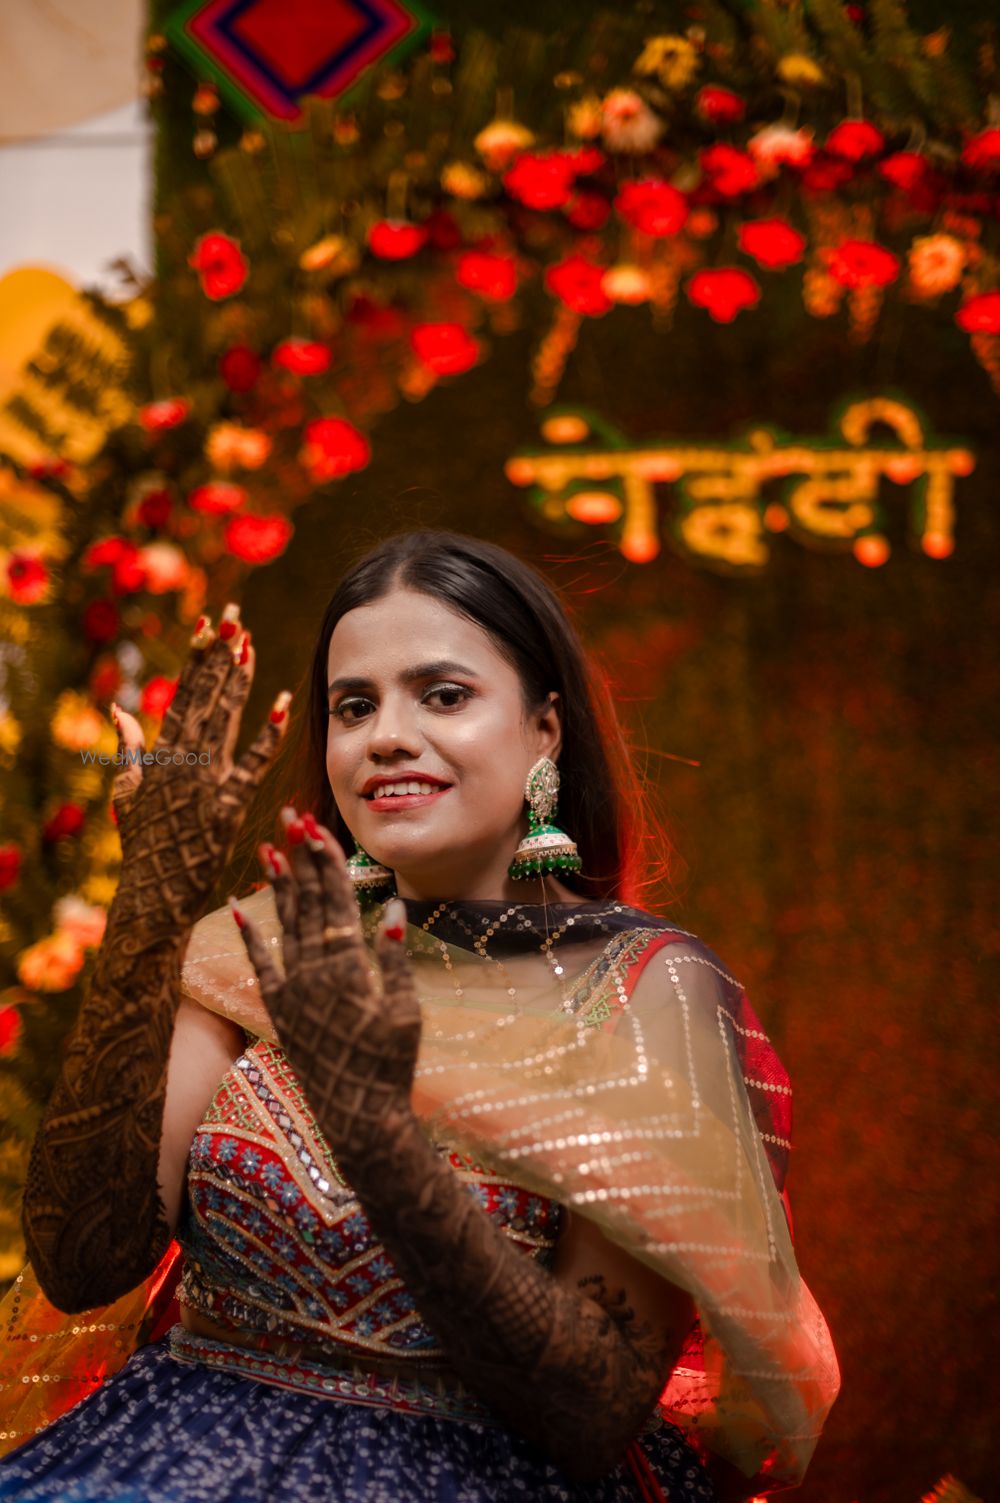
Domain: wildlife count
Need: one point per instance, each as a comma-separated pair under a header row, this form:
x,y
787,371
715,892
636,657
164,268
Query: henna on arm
x,y
94,1221
573,1369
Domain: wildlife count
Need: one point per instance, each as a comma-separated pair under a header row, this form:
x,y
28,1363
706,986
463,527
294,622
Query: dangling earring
x,y
372,881
545,848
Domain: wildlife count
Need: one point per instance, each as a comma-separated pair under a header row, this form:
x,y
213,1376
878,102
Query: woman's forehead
x,y
405,628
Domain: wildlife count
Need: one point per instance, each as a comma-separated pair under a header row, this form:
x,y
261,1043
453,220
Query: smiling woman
x,y
478,1190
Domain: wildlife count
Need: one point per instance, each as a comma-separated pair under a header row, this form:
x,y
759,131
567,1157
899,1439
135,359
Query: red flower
x,y
154,509
492,276
583,159
66,822
653,207
10,1028
27,577
862,263
982,153
395,239
587,210
825,174
106,551
720,106
723,292
100,621
980,314
156,695
105,679
334,447
10,865
217,498
303,357
156,417
772,242
728,171
854,140
446,349
441,47
127,572
240,368
256,539
577,283
221,265
904,169
540,180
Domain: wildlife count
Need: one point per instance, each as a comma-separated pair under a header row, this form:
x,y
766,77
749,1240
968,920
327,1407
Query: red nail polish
x,y
200,624
244,651
277,716
237,915
296,832
273,861
312,828
395,931
227,629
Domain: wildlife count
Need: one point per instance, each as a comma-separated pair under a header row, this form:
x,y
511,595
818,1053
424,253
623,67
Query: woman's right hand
x,y
179,815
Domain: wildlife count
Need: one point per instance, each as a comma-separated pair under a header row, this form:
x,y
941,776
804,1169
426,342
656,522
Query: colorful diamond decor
x,y
267,54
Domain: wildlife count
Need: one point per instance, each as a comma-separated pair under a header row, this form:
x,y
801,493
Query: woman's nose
x,y
392,730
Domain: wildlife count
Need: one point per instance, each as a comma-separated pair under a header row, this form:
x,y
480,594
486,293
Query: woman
x,y
466,1183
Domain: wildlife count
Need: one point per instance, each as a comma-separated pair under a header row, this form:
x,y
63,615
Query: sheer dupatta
x,y
602,1058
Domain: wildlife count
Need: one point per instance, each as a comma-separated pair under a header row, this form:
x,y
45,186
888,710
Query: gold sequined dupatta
x,y
49,1361
598,1057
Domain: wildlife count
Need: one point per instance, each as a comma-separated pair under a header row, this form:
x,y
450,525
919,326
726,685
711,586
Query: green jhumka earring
x,y
372,881
545,848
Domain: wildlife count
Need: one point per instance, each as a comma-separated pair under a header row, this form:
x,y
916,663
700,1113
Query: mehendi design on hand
x,y
572,1370
93,1219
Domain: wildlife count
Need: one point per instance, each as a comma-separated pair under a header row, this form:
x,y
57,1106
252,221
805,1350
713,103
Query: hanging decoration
x,y
592,476
265,55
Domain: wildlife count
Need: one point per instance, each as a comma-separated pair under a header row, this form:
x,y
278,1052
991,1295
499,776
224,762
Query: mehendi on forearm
x,y
93,1219
94,1222
572,1371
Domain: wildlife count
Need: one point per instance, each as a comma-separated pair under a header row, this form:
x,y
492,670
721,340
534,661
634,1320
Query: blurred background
x,y
698,308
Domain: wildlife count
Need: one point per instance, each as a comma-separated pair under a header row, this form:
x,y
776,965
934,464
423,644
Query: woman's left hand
x,y
351,1034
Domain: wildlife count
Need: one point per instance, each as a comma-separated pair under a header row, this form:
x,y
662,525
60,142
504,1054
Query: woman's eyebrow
x,y
438,669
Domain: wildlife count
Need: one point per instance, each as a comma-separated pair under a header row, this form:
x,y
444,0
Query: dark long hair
x,y
598,797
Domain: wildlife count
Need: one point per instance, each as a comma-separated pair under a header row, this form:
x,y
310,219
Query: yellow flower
x,y
936,264
799,68
500,141
10,735
105,849
138,312
672,59
51,965
333,253
100,889
76,724
229,447
585,118
463,181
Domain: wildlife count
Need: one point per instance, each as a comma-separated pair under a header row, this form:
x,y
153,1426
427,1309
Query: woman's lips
x,y
399,801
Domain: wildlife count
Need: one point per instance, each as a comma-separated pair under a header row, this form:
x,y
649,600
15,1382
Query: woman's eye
x,y
347,709
452,694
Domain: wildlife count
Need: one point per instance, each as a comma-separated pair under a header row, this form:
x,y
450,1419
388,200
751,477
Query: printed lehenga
x,y
583,1056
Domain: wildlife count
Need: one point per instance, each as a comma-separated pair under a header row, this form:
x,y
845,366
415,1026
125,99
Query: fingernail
x,y
200,624
395,919
201,632
244,651
280,708
114,712
272,858
312,828
295,832
237,915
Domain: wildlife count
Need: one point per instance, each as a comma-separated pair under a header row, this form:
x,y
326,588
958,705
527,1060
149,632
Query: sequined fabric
x,y
276,1241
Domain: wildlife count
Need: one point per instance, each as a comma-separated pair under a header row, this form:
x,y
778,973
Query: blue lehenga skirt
x,y
167,1431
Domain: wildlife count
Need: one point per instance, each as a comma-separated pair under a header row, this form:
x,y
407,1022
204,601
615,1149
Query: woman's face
x,y
420,695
